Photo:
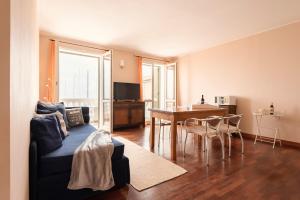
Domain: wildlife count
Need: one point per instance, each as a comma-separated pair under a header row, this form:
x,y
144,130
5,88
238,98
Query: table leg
x,y
152,133
173,139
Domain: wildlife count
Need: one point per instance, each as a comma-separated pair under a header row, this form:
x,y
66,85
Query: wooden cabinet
x,y
231,108
128,114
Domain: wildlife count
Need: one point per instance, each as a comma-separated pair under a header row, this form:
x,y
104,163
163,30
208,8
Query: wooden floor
x,y
261,173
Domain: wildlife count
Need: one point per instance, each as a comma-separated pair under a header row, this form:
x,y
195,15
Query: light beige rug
x,y
146,168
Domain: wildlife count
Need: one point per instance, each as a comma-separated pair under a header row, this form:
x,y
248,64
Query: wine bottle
x,y
271,109
202,99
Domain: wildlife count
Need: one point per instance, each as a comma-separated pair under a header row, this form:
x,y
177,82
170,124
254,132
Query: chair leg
x,y
229,144
186,134
242,141
181,131
203,143
207,150
159,135
222,145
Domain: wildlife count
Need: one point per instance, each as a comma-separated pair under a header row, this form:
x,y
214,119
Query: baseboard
x,y
284,142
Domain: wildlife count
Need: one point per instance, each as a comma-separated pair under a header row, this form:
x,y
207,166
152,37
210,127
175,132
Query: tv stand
x,y
128,114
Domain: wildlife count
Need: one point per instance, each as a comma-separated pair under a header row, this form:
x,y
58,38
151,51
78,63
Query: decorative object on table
x,y
263,113
225,100
271,109
202,99
228,102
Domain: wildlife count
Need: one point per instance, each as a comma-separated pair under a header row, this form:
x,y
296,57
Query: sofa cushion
x,y
85,113
47,108
60,160
45,130
74,117
61,122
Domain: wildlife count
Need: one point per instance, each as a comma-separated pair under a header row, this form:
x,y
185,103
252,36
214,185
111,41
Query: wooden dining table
x,y
176,115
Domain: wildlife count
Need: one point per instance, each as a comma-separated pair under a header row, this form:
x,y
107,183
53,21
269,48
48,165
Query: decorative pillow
x,y
61,123
74,117
46,132
47,108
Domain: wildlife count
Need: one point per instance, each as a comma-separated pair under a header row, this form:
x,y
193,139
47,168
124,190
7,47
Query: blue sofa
x,y
49,174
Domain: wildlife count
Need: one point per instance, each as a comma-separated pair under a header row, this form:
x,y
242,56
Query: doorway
x,y
85,80
159,86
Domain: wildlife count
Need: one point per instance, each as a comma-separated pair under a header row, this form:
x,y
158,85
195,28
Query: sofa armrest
x,y
33,170
85,113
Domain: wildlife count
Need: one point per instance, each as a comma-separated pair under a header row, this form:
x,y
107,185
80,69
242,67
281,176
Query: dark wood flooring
x,y
261,173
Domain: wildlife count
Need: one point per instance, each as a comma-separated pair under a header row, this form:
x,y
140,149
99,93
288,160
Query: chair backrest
x,y
213,122
192,122
234,120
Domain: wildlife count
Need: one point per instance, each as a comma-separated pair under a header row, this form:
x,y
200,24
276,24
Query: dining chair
x,y
162,124
207,128
232,125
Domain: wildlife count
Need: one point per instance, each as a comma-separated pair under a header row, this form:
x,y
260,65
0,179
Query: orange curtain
x,y
52,71
139,63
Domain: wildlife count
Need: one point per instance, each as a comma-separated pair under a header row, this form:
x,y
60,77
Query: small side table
x,y
259,116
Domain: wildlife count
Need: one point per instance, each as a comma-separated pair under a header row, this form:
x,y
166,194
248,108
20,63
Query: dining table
x,y
176,115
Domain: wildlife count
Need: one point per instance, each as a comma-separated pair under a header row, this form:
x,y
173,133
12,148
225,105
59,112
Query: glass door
x,y
106,92
147,74
170,86
78,81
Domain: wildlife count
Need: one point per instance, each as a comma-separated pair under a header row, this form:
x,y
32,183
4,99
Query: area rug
x,y
146,168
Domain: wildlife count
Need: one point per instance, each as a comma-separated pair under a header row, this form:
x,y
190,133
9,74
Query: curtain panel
x,y
51,85
140,71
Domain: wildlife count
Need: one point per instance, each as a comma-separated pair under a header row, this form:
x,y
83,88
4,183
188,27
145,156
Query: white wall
x,y
24,90
5,98
129,73
260,69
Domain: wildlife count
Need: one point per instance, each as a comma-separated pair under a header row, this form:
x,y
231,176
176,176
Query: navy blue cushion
x,y
62,134
60,160
45,131
47,108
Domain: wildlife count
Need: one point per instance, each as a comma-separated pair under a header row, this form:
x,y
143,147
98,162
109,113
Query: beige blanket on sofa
x,y
91,166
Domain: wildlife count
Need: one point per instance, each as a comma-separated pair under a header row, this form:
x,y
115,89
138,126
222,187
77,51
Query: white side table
x,y
259,116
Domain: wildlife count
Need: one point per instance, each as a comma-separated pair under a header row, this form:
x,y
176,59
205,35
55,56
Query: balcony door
x,y
85,80
105,93
170,86
159,86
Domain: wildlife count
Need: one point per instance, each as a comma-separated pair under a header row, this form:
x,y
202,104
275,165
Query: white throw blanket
x,y
91,166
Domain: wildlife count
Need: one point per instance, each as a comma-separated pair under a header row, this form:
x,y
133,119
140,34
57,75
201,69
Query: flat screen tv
x,y
126,91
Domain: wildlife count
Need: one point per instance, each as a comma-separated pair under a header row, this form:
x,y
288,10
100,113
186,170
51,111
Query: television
x,y
126,91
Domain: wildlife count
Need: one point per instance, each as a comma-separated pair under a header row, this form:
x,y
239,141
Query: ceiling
x,y
165,28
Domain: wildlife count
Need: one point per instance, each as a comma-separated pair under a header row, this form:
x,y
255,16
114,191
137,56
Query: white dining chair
x,y
232,125
207,128
162,124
